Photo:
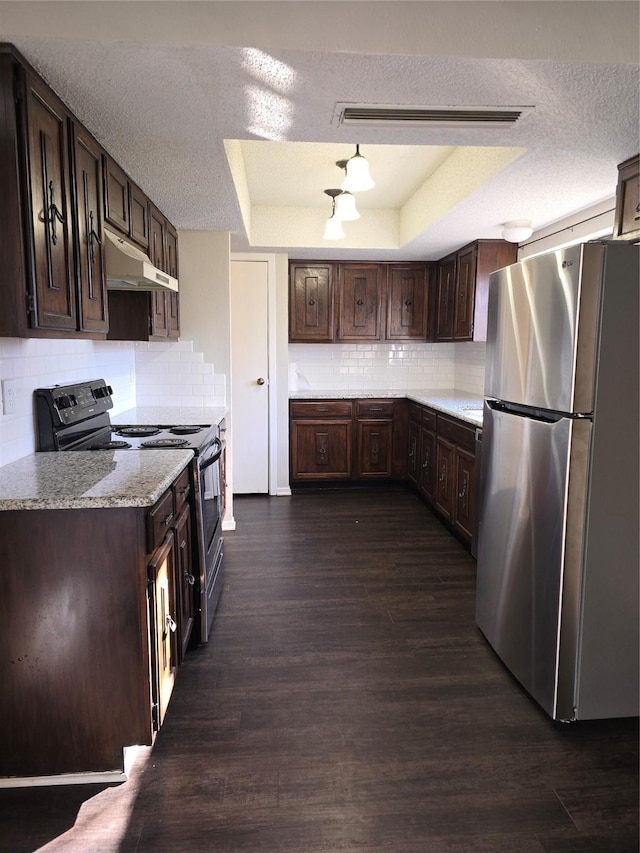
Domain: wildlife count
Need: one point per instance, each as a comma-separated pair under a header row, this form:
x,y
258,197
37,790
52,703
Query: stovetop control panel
x,y
69,404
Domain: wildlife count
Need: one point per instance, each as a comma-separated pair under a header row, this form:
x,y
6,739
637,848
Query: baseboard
x,y
101,777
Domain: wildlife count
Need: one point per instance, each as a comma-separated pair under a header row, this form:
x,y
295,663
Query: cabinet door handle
x,y
637,216
93,238
312,302
53,215
167,521
190,579
183,544
260,381
408,303
359,302
170,623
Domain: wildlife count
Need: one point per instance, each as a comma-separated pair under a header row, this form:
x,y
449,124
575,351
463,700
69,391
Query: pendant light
x,y
346,209
357,178
333,228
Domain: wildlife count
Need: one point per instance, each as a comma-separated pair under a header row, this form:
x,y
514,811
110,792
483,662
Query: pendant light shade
x,y
333,228
346,207
357,178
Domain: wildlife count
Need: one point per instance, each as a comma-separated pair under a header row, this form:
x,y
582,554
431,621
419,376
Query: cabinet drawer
x,y
159,521
429,419
375,408
328,408
181,488
457,432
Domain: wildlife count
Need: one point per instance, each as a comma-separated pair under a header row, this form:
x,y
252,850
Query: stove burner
x,y
166,442
111,445
185,430
137,431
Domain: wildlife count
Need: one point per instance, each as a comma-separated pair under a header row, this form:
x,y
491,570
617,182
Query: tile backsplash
x,y
411,366
140,374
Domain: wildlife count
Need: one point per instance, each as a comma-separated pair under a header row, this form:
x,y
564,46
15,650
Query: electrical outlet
x,y
9,391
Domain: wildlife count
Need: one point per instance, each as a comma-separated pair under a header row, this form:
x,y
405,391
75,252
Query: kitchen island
x,y
89,610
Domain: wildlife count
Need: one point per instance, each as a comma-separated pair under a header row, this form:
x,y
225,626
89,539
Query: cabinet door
x,y
172,307
116,195
446,296
157,238
465,509
139,217
464,295
164,641
52,260
159,314
413,457
427,463
171,259
321,449
87,166
375,445
311,302
407,302
627,217
185,579
360,289
445,478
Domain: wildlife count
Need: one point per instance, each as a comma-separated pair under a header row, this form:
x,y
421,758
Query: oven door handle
x,y
211,460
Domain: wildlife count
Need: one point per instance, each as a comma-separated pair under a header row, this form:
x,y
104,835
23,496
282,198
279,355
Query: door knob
x,y
261,381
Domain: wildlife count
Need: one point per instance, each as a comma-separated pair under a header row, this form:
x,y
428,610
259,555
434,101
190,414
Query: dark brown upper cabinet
x,y
360,291
51,269
627,217
463,289
126,207
87,194
51,251
311,303
407,302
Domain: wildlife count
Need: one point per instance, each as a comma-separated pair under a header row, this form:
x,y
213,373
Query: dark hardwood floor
x,y
347,702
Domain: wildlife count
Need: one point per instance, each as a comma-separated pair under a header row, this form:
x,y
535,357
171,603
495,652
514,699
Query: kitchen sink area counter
x,y
89,480
459,404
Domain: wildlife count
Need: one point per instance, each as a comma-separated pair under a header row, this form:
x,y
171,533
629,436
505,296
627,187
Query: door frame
x,y
272,386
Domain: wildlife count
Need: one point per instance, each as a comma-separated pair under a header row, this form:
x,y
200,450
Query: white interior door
x,y
249,304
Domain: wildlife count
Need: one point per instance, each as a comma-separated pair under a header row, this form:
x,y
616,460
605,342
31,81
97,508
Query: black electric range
x,y
76,417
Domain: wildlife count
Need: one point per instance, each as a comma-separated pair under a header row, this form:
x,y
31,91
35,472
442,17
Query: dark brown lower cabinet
x,y
347,440
441,466
89,627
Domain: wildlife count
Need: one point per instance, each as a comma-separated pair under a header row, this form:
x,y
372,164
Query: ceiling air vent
x,y
387,115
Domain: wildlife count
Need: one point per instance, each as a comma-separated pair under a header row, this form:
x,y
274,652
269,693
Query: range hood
x,y
128,268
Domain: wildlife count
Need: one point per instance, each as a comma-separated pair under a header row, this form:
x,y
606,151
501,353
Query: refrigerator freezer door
x,y
542,330
522,607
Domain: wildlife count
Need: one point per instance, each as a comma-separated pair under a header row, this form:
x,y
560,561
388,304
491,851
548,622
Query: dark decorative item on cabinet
x,y
627,217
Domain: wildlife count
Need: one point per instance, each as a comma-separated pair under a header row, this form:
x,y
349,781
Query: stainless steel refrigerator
x,y
557,572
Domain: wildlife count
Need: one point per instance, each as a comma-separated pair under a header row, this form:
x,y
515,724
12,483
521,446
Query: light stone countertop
x,y
171,416
88,480
460,404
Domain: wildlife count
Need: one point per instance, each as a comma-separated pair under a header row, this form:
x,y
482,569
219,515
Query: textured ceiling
x,y
240,138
